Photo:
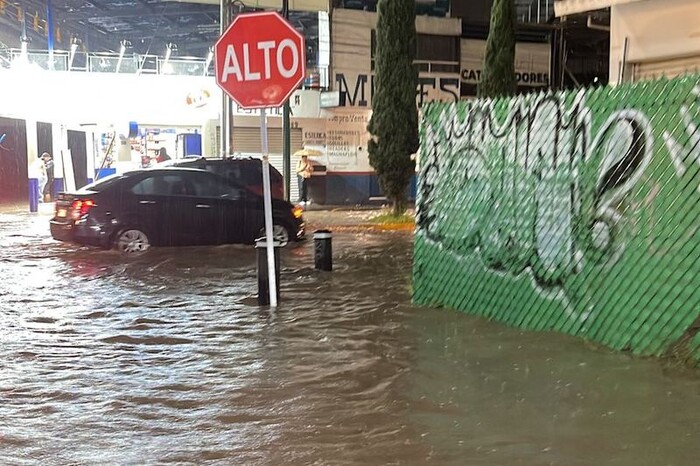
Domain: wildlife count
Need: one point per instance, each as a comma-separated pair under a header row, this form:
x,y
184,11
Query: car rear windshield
x,y
101,185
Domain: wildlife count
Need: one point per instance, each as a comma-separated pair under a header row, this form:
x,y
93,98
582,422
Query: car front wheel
x,y
132,242
280,233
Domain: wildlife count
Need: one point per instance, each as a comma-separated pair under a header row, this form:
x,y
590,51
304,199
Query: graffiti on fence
x,y
534,184
576,212
682,155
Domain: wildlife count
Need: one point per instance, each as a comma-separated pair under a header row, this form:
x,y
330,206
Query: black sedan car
x,y
168,207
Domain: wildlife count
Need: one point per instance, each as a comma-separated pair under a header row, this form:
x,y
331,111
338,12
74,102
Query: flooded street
x,y
167,359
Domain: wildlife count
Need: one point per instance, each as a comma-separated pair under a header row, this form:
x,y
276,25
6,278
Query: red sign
x,y
260,60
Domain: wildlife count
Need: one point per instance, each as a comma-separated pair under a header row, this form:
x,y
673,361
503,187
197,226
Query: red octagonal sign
x,y
260,60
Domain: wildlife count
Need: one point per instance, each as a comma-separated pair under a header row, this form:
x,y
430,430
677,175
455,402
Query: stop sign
x,y
260,60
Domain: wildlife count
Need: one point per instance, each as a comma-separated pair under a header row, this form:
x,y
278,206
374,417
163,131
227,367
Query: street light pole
x,y
286,130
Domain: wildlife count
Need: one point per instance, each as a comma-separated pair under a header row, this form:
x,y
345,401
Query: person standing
x,y
304,171
49,169
162,155
37,170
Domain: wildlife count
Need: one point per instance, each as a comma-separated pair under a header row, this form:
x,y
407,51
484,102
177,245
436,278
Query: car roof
x,y
218,160
169,169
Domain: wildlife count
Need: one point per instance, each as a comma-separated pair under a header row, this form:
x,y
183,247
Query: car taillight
x,y
297,211
81,207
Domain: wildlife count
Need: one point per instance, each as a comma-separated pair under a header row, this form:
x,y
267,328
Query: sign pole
x,y
286,143
260,60
271,272
224,120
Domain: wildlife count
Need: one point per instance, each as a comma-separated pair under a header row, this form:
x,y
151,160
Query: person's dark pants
x,y
48,190
303,189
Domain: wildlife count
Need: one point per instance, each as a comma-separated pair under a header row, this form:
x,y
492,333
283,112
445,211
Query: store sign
x,y
330,99
523,79
357,90
303,103
313,133
198,98
437,88
260,60
344,139
531,62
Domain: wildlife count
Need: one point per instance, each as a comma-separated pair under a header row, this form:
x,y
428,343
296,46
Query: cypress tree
x,y
394,122
498,75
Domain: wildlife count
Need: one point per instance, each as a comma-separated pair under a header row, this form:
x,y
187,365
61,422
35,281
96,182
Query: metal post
x,y
229,136
263,271
267,197
286,130
323,250
623,62
224,120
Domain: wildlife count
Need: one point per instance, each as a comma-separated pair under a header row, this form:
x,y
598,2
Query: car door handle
x,y
203,206
147,202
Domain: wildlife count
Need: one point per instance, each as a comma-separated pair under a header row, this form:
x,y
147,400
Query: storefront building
x,y
101,122
648,38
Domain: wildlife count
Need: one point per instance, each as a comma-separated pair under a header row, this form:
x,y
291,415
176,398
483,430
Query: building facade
x,y
648,38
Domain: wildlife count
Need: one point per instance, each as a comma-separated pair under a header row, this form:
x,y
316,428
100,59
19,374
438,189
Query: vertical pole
x,y
286,130
272,279
623,62
230,147
49,33
33,164
224,120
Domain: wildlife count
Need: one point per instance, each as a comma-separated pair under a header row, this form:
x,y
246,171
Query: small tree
x,y
498,75
394,123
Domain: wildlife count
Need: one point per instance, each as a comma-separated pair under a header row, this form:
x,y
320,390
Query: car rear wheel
x,y
280,233
132,242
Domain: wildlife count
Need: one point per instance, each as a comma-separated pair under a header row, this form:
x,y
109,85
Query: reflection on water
x,y
166,359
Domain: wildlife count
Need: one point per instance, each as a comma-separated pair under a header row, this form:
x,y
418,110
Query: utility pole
x,y
286,130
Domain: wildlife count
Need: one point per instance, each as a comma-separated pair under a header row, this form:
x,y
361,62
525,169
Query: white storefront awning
x,y
570,7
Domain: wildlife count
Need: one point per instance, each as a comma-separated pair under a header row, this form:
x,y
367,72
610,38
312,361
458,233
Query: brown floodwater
x,y
167,359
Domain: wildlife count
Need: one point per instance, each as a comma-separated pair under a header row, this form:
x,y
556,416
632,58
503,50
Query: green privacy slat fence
x,y
577,212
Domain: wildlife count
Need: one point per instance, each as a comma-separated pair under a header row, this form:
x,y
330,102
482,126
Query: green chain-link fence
x,y
577,212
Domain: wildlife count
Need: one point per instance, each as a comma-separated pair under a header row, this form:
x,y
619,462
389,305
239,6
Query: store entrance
x,y
78,151
13,161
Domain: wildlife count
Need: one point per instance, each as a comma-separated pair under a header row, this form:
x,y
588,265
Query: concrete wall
x,y
571,212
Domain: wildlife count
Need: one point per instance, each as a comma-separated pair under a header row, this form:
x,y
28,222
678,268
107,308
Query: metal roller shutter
x,y
246,141
669,67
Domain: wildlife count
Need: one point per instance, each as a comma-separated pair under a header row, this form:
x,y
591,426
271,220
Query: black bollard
x,y
323,250
263,278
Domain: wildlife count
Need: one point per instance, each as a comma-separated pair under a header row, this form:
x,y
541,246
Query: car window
x,y
102,184
163,185
231,192
212,185
208,185
203,185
